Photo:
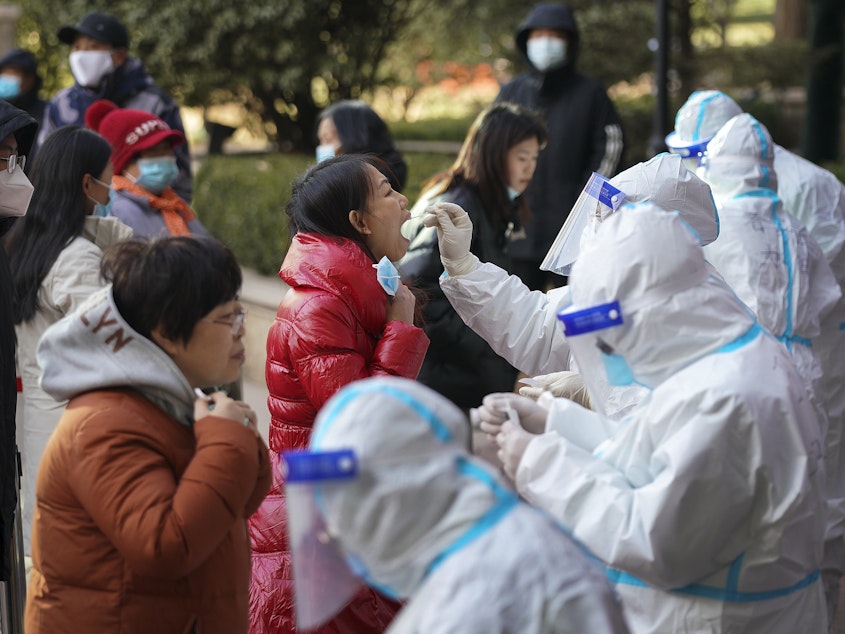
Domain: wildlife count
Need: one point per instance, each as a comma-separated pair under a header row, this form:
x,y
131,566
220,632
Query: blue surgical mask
x,y
512,193
325,151
99,208
618,371
105,210
387,275
156,173
10,86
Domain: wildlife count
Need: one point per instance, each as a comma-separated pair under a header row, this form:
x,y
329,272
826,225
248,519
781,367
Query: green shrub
x,y
241,200
444,129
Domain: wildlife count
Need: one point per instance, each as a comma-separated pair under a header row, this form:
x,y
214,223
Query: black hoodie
x,y
24,127
585,133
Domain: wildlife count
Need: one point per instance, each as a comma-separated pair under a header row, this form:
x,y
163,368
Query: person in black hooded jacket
x,y
585,133
493,168
17,132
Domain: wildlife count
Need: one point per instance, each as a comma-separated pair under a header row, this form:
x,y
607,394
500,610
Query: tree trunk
x,y
824,89
791,20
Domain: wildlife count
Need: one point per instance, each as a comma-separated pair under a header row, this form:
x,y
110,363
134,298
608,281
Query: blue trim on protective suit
x,y
712,592
702,110
787,335
440,431
750,335
506,501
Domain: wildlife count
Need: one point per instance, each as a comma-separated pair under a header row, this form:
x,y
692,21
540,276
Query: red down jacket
x,y
330,330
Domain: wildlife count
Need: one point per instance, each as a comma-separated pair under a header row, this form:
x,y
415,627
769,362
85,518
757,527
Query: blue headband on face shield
x,y
599,317
695,150
591,320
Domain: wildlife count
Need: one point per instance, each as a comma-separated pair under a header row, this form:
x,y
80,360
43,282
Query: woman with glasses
x,y
345,317
55,254
146,484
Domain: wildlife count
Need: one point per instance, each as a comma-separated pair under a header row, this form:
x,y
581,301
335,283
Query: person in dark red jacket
x,y
337,323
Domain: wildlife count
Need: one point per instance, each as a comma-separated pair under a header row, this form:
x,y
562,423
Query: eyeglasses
x,y
13,162
236,324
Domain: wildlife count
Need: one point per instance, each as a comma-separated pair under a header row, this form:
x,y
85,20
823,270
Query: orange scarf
x,y
174,211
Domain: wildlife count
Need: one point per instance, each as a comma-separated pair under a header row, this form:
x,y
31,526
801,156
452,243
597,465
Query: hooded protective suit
x,y
425,520
707,500
817,198
774,266
521,325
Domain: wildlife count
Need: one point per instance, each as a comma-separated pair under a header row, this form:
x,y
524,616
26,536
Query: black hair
x,y
170,282
362,131
56,213
321,199
482,162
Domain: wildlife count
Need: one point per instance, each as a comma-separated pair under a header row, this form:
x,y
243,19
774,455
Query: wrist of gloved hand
x,y
564,384
461,266
512,441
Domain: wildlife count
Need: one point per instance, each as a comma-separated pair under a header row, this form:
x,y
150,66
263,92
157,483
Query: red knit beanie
x,y
128,131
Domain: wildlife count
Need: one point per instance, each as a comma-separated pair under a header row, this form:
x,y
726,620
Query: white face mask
x,y
546,52
89,67
15,193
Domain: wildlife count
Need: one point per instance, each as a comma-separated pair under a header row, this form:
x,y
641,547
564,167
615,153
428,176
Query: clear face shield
x,y
597,201
602,369
323,580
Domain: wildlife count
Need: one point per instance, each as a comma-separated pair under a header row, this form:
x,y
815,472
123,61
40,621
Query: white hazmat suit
x,y
767,256
776,267
423,519
707,500
816,197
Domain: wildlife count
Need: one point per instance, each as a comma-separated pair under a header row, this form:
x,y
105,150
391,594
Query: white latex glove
x,y
512,441
454,235
564,384
493,413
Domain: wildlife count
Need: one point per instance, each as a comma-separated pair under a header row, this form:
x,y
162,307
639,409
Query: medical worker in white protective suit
x,y
776,267
521,325
816,197
419,518
767,256
707,500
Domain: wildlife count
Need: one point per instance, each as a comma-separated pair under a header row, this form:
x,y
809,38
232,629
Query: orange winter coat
x,y
140,521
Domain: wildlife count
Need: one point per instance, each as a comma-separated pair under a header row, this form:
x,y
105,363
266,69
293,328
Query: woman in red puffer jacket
x,y
337,323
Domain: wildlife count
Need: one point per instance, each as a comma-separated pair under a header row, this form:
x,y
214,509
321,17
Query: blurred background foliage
x,y
276,63
283,61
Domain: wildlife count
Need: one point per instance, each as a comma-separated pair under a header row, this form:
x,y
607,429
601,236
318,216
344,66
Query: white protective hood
x,y
681,312
409,446
698,120
665,181
739,158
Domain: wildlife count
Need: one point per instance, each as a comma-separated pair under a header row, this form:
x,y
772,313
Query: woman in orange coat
x,y
144,488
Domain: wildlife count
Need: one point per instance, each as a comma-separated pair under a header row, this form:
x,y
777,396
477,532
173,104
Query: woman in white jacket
x,y
55,257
